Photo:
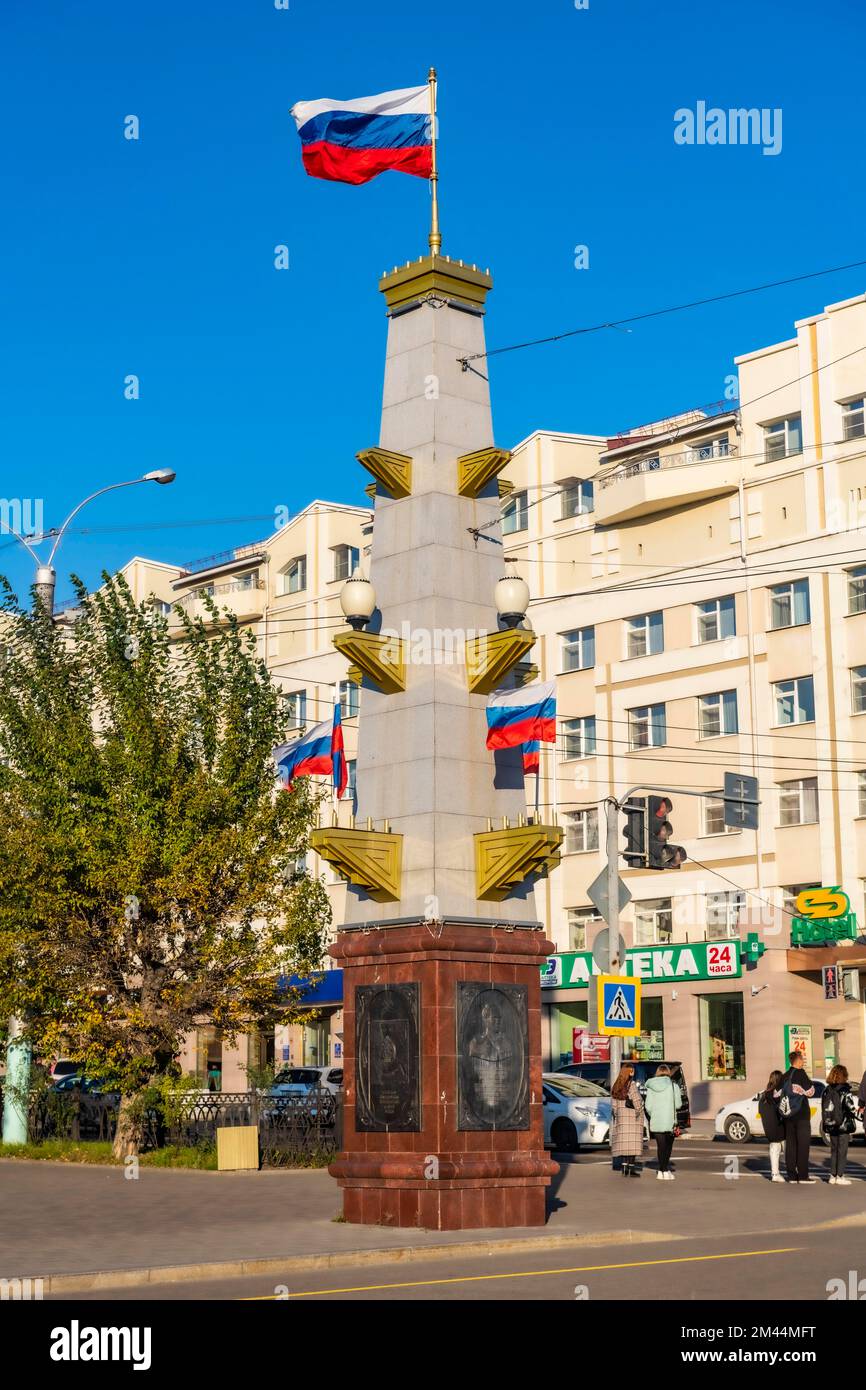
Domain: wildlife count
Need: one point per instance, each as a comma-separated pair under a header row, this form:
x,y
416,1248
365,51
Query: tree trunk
x,y
128,1136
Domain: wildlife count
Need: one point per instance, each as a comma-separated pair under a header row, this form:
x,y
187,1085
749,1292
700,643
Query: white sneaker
x,y
669,1175
843,1182
802,1181
660,1175
832,1179
777,1177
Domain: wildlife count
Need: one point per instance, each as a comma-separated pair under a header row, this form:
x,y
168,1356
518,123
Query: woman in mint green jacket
x,y
662,1101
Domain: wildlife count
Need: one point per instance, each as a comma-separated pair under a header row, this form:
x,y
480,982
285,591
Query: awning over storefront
x,y
323,988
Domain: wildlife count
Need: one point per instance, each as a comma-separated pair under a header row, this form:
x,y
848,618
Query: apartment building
x,y
285,590
699,593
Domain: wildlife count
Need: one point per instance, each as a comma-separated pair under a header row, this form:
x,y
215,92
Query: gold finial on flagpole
x,y
435,237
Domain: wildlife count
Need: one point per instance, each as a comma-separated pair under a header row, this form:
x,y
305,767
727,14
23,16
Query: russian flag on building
x,y
319,753
525,715
353,141
531,756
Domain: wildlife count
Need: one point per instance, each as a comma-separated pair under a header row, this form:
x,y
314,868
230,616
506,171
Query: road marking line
x,y
528,1274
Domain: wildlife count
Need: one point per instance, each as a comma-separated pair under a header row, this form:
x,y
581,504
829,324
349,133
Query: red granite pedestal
x,y
442,1177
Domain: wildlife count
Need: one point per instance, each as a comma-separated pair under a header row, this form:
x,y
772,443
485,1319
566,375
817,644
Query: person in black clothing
x,y
796,1089
768,1109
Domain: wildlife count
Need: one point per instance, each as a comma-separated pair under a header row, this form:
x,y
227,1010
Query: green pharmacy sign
x,y
656,965
823,917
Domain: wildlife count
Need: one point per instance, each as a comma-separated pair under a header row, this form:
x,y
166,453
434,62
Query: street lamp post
x,y
18,1050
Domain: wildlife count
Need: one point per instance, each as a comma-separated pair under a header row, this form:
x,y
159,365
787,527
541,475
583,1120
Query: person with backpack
x,y
796,1089
627,1121
774,1128
837,1117
663,1100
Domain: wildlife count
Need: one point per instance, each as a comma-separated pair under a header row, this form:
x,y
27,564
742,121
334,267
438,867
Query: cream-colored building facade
x,y
699,595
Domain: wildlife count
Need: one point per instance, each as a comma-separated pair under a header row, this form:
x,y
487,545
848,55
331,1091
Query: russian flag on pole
x,y
521,716
353,141
531,756
319,753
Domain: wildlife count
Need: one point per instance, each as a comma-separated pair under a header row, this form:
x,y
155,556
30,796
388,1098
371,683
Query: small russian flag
x,y
521,716
531,756
353,141
319,753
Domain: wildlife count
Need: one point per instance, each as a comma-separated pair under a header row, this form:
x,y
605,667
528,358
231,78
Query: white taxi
x,y
740,1122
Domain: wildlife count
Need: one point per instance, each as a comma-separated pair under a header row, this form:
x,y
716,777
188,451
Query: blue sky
x,y
155,256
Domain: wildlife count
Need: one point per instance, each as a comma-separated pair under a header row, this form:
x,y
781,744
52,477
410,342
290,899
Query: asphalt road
x,y
787,1265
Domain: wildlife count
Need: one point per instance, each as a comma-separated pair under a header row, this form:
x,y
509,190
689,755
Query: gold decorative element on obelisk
x,y
369,859
381,659
393,471
505,487
504,858
475,470
491,657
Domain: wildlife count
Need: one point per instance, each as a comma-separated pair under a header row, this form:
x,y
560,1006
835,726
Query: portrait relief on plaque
x,y
388,1060
492,1056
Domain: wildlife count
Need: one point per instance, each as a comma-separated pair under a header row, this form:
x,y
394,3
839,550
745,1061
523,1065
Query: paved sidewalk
x,y
71,1220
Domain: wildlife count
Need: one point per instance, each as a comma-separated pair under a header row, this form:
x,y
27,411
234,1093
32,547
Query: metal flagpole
x,y
435,237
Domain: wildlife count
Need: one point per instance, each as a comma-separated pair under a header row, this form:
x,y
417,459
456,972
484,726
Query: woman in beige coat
x,y
627,1131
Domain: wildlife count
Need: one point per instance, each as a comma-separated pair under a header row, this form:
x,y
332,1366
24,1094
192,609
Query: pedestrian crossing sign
x,y
619,1005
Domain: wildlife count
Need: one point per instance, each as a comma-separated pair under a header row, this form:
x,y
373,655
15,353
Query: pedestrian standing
x,y
837,1117
663,1100
768,1109
627,1116
796,1090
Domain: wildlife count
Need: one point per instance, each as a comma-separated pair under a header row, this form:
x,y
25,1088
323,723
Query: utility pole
x,y
614,964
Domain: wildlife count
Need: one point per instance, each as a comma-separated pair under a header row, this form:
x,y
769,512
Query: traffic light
x,y
661,852
634,853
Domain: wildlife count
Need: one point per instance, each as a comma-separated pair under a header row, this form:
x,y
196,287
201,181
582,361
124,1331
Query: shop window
x,y
649,1044
723,1037
209,1058
564,1019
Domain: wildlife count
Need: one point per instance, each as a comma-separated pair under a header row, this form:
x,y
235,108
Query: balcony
x,y
246,601
642,486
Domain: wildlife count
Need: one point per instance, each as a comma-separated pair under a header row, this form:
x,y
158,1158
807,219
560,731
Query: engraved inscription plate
x,y
492,1056
388,1062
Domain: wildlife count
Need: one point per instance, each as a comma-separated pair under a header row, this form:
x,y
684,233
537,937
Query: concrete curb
x,y
87,1282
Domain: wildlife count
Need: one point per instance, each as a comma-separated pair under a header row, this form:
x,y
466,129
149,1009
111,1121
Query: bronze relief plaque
x,y
387,1058
492,1056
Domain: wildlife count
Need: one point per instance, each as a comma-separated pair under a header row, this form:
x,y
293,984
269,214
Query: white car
x,y
576,1112
740,1122
297,1081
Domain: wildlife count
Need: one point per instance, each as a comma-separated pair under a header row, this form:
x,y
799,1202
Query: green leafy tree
x,y
148,867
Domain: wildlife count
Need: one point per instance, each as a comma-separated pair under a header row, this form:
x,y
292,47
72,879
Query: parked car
x,y
576,1112
599,1072
739,1122
88,1085
297,1081
64,1066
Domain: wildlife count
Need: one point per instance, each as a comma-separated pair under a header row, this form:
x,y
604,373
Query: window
x,y
724,911
294,576
346,561
579,737
250,580
581,831
348,699
645,635
789,604
579,920
723,1037
790,894
716,619
577,497
795,701
858,690
578,649
857,590
861,793
782,438
296,708
653,922
852,419
351,779
798,801
647,727
717,448
514,513
713,808
717,714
